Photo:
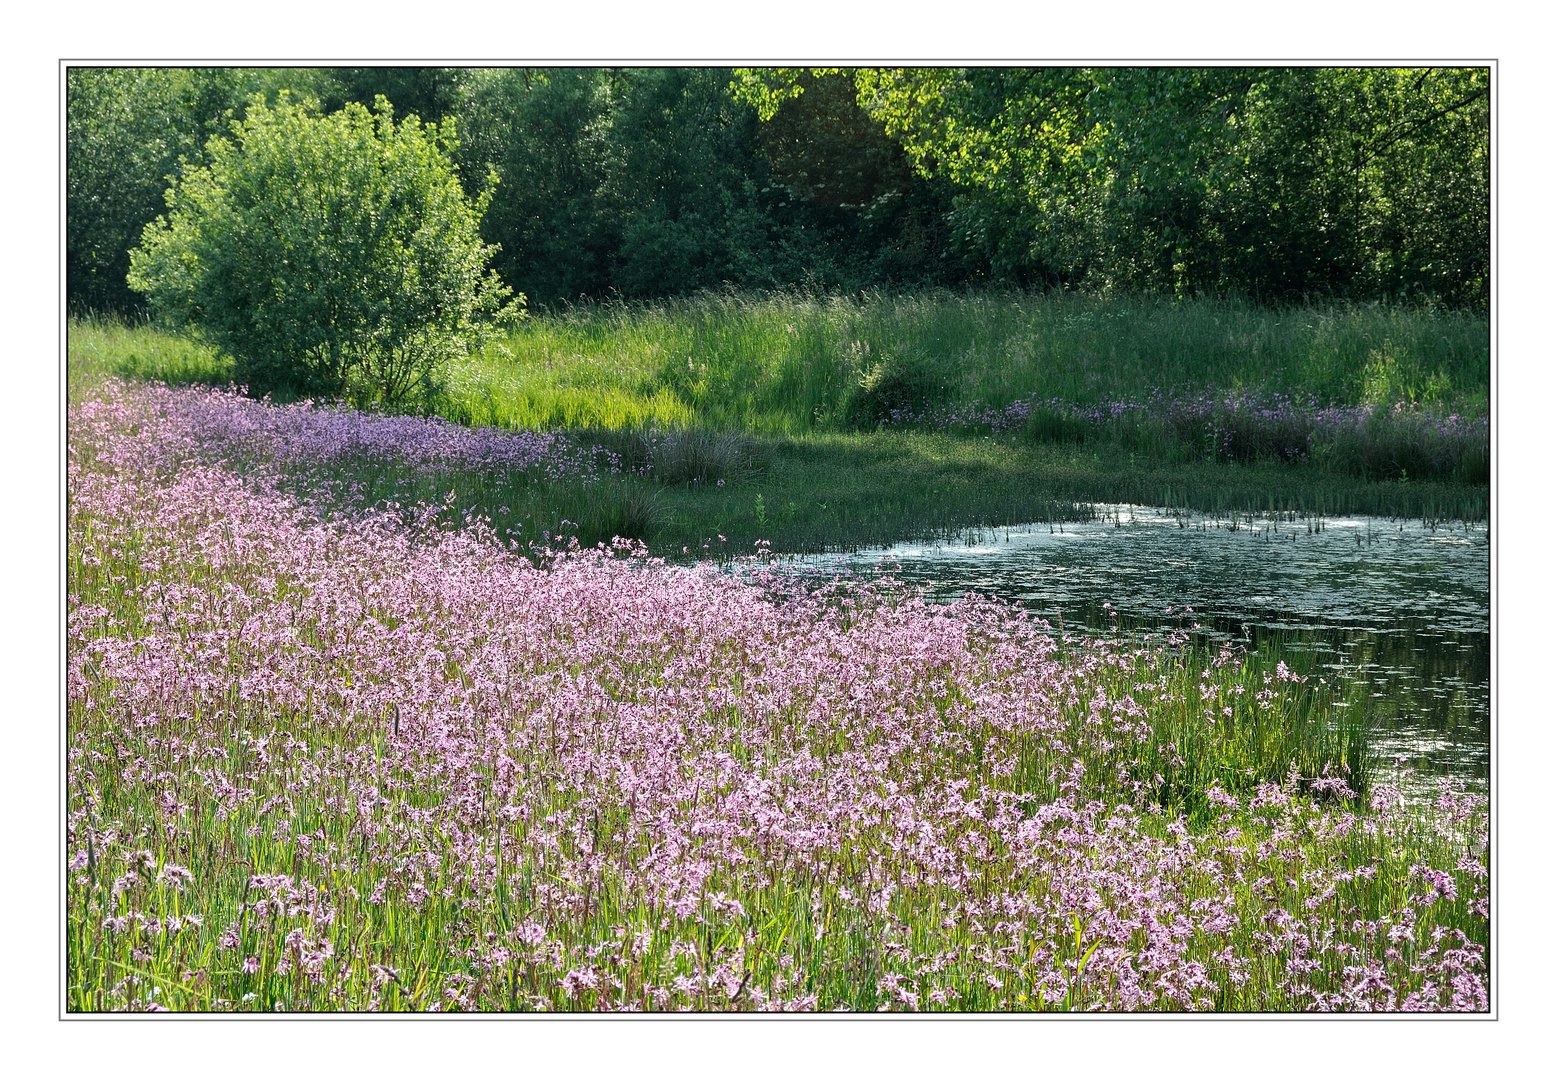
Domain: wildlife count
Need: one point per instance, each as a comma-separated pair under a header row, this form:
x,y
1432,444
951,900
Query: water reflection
x,y
1404,606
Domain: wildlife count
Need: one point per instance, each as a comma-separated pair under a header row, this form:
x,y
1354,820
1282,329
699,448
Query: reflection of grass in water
x,y
1379,686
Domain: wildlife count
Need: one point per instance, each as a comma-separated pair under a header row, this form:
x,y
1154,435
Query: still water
x,y
1401,606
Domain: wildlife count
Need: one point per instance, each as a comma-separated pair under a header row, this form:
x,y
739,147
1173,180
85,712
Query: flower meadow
x,y
340,461
380,760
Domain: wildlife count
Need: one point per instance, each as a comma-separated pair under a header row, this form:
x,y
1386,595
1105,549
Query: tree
x,y
650,182
1282,184
550,133
126,131
326,254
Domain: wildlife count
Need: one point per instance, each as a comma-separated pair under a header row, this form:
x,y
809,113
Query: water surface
x,y
1404,606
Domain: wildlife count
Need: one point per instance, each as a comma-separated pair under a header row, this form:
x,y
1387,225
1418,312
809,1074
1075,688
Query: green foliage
x,y
653,182
326,254
1281,184
434,94
128,132
549,134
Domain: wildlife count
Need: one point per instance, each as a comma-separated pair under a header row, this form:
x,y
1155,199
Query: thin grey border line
x,y
1450,61
940,1017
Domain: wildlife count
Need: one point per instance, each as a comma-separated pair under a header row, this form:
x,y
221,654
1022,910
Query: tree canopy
x,y
1280,184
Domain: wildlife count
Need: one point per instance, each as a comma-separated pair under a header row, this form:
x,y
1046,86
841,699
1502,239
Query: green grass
x,y
100,347
775,374
840,492
788,363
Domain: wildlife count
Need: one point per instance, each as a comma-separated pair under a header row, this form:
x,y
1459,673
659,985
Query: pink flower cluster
x,y
215,425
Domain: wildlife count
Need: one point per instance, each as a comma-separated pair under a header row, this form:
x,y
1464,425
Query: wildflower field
x,y
330,748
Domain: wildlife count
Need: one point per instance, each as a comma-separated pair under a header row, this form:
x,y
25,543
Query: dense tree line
x,y
1283,184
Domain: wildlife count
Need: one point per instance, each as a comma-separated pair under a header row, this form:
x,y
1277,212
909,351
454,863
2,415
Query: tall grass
x,y
97,347
792,362
1366,440
693,492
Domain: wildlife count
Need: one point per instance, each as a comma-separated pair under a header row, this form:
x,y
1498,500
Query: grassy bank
x,y
759,418
791,364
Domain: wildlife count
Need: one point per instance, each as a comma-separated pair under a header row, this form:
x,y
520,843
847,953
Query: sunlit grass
x,y
97,347
789,362
575,391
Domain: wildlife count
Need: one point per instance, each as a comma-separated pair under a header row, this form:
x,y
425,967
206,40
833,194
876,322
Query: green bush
x,y
333,254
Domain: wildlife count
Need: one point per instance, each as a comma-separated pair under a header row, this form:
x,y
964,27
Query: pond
x,y
1402,606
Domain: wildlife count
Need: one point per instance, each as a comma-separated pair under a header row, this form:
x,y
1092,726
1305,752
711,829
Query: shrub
x,y
326,254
